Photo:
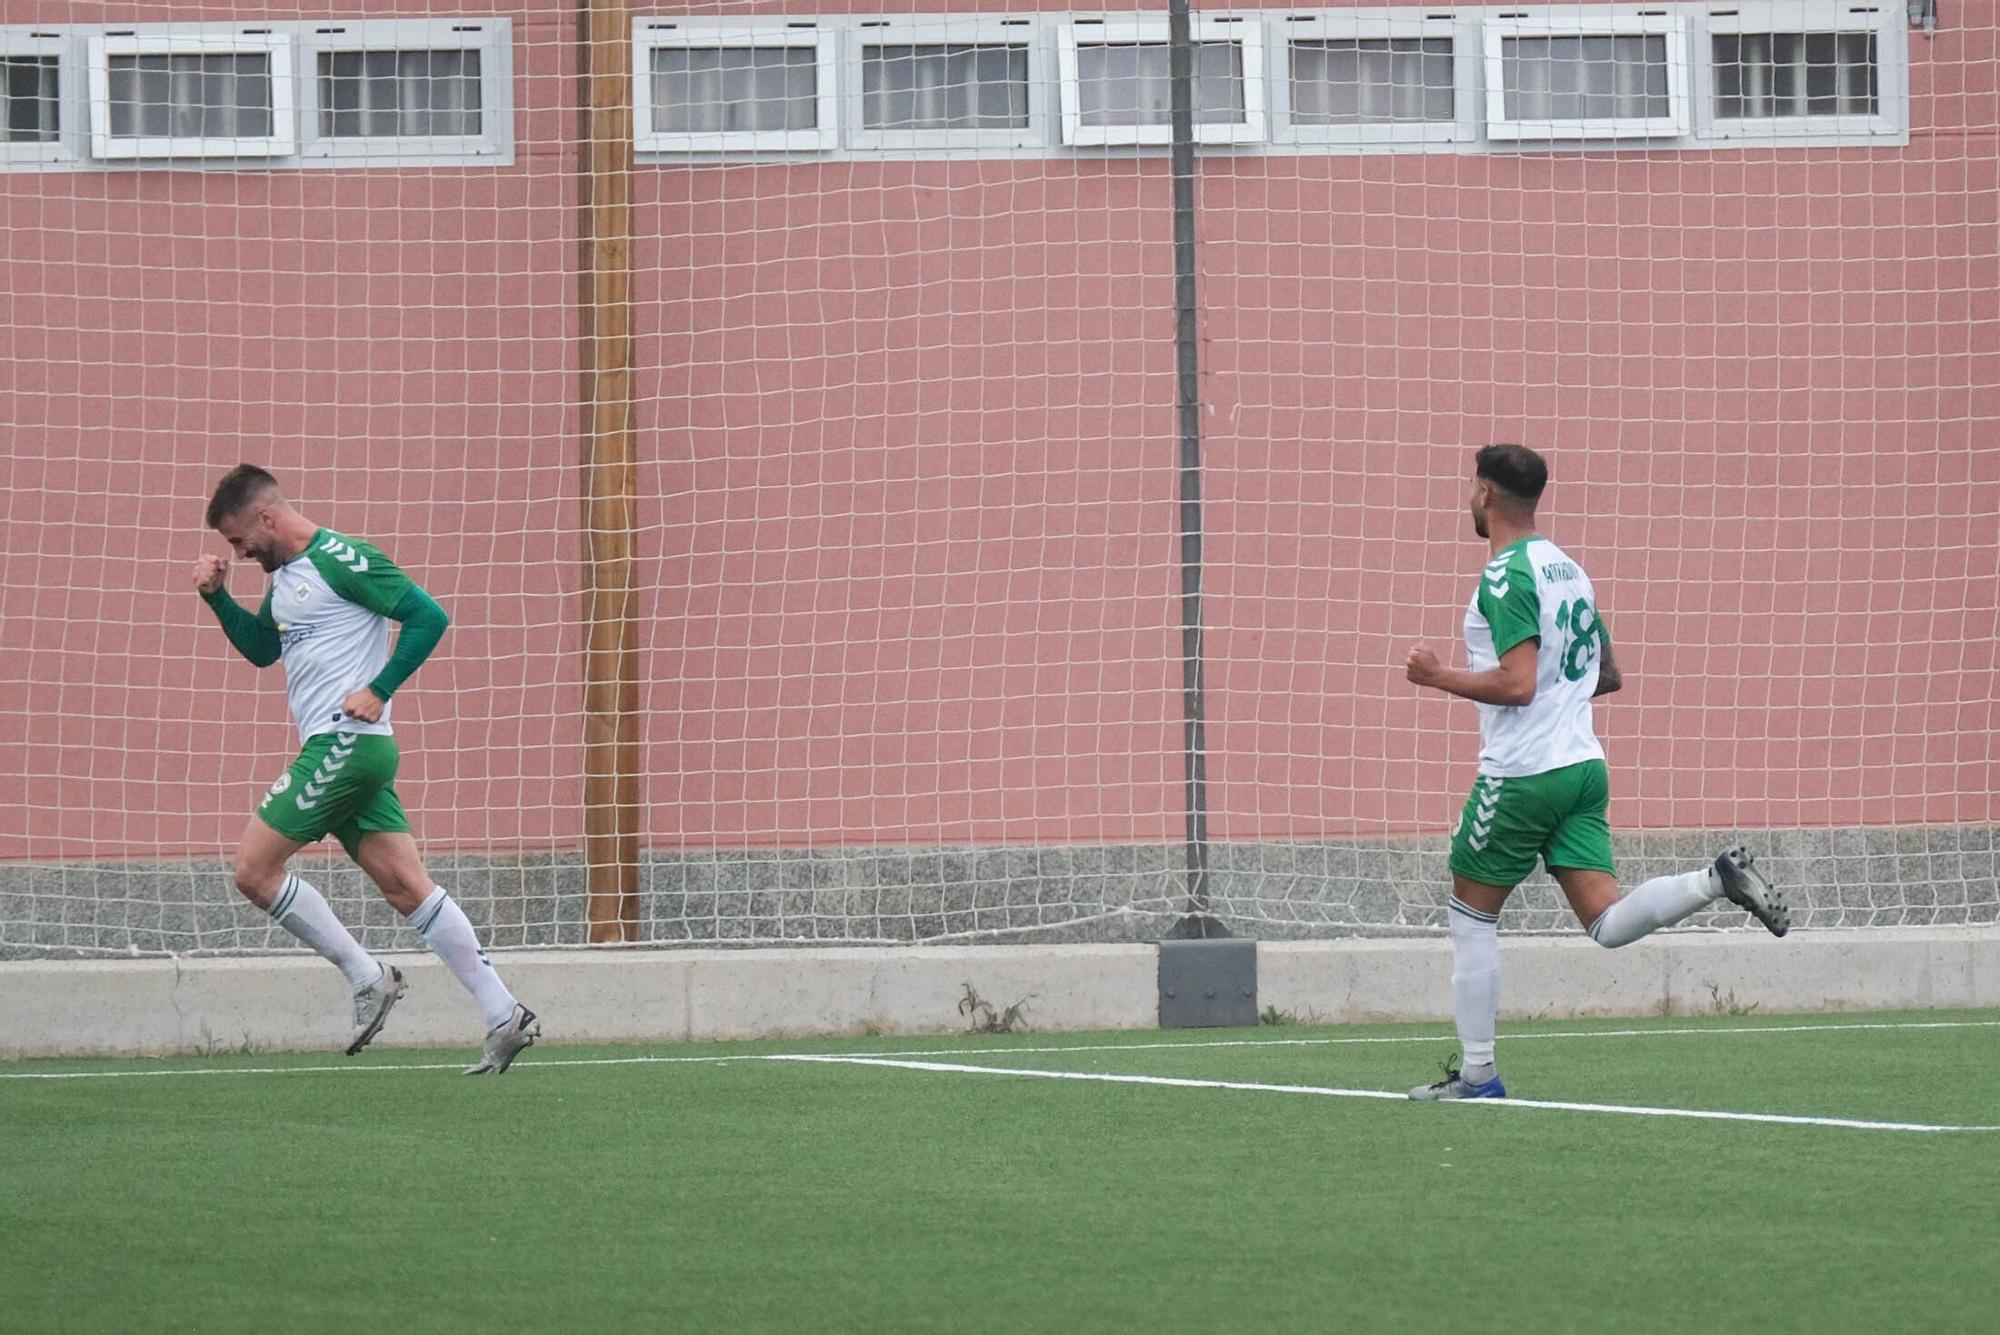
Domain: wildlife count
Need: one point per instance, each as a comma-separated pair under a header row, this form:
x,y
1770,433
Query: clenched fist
x,y
209,573
1422,666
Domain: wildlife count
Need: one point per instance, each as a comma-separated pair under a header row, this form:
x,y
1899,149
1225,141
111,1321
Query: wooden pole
x,y
610,481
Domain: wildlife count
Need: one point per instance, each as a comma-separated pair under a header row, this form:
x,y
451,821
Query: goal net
x,y
919,449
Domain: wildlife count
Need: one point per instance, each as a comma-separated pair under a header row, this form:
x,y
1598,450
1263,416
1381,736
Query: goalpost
x,y
880,632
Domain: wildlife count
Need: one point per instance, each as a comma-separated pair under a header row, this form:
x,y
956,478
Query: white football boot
x,y
372,1005
505,1042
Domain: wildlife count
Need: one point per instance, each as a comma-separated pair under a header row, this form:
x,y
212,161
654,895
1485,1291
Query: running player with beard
x,y
327,614
1539,653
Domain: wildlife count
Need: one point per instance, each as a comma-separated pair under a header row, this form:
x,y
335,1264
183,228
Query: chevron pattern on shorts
x,y
331,764
1485,802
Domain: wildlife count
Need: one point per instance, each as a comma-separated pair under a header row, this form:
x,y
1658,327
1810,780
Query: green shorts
x,y
1557,816
342,784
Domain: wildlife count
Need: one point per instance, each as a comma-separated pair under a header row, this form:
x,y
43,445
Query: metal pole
x,y
1180,71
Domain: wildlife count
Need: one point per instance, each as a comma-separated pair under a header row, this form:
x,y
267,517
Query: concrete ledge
x,y
165,1006
1677,973
161,1006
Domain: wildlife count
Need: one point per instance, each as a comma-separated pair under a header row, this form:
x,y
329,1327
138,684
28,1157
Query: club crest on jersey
x,y
304,592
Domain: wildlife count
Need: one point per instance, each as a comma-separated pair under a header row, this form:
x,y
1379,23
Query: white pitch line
x,y
1367,1040
351,1068
1687,1031
1174,1082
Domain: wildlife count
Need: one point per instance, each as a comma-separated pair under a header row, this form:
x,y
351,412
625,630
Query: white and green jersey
x,y
1531,589
330,606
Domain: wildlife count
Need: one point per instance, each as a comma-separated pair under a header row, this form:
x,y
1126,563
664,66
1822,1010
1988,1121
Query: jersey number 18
x,y
1580,648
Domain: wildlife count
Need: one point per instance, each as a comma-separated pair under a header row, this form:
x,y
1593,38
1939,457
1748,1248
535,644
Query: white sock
x,y
304,912
1660,902
449,935
1475,981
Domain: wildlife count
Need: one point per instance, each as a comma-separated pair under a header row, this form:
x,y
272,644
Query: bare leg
x,y
259,864
391,860
1488,899
1615,920
296,905
1589,893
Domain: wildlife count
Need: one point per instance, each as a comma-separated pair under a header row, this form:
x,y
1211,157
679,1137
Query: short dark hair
x,y
1515,469
241,487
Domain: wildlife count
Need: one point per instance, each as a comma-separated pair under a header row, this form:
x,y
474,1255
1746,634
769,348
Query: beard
x,y
1478,525
269,559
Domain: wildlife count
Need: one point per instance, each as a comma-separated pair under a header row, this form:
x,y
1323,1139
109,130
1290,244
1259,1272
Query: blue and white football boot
x,y
1455,1086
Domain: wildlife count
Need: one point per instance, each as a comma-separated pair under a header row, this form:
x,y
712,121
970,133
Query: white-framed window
x,y
714,88
1116,87
943,81
1387,77
33,81
408,90
1584,73
192,94
1786,69
331,93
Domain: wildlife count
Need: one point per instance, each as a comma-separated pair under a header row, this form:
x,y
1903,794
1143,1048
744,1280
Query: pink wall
x,y
917,459
1763,377
910,567
395,345
1768,417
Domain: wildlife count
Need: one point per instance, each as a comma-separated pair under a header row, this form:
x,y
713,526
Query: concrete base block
x,y
1208,983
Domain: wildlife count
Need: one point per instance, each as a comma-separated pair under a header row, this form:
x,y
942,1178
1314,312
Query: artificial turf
x,y
587,1192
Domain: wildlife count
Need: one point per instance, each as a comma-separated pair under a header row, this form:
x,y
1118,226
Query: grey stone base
x,y
1928,876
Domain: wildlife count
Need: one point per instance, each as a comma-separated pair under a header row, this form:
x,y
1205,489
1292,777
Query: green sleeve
x,y
424,624
1510,602
255,637
359,572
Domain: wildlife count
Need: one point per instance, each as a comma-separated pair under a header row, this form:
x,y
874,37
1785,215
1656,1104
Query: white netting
x,y
907,523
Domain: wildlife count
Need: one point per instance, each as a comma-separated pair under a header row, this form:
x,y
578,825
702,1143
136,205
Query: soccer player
x,y
327,615
1539,653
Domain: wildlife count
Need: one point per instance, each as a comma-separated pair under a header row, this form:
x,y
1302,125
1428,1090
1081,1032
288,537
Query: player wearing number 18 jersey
x,y
1538,652
326,614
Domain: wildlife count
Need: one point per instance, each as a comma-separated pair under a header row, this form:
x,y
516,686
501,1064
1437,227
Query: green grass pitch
x,y
595,1189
